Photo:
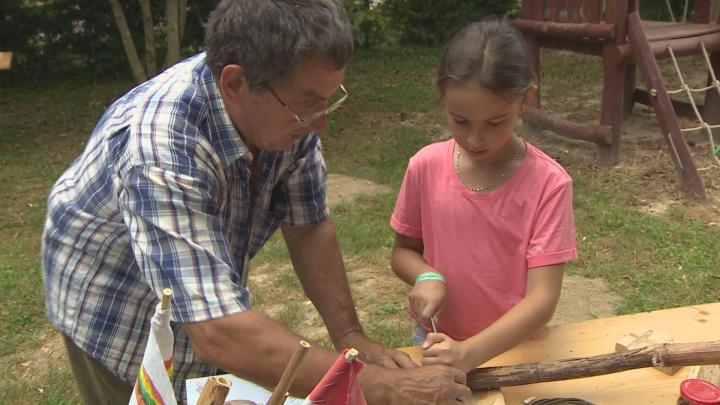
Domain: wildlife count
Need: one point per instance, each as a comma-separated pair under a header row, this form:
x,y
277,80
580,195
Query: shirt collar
x,y
225,138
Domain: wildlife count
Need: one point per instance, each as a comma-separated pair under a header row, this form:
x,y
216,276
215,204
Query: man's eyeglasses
x,y
306,121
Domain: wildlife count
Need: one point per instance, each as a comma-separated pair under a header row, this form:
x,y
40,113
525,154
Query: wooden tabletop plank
x,y
589,338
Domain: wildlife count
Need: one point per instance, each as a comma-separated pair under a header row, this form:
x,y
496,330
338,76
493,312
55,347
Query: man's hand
x,y
440,348
432,385
426,300
375,352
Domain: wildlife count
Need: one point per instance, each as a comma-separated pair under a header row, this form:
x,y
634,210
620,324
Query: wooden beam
x,y
599,134
680,47
566,30
668,354
681,107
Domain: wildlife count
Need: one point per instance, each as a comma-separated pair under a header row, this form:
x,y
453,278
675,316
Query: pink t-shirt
x,y
484,243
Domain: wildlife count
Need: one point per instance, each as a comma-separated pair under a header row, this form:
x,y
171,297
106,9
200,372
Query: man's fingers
x,y
387,361
463,393
403,360
460,377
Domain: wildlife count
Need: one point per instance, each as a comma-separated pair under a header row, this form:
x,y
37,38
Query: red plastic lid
x,y
700,392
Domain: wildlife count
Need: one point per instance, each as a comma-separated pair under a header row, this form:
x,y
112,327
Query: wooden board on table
x,y
589,338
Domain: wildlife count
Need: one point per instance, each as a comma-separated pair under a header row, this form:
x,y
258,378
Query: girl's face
x,y
481,120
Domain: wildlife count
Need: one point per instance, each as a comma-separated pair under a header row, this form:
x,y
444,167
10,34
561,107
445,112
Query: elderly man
x,y
182,181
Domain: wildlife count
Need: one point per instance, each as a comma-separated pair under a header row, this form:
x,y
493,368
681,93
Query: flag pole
x,y
215,391
280,393
351,355
167,295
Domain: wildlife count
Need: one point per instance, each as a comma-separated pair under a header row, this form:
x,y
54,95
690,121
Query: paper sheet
x,y
240,389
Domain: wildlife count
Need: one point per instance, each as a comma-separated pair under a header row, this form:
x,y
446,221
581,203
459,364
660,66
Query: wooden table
x,y
642,386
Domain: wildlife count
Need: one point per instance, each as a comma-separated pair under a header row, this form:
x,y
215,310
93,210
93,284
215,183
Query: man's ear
x,y
528,97
233,84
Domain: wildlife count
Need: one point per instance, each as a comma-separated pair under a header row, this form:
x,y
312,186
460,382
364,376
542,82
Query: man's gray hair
x,y
271,38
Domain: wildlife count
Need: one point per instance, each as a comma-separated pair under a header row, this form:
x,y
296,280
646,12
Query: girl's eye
x,y
460,122
495,124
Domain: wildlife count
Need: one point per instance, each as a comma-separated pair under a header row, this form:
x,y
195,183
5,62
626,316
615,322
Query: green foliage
x,y
658,9
61,37
424,22
369,25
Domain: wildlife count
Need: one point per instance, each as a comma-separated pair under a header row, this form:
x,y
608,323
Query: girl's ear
x,y
528,97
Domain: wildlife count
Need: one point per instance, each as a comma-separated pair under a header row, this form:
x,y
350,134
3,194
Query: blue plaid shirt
x,y
160,198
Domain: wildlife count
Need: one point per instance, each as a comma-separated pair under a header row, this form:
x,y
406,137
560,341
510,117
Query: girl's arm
x,y
407,258
426,297
520,322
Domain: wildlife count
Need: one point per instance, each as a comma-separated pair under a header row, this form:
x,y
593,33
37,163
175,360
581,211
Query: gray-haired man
x,y
182,181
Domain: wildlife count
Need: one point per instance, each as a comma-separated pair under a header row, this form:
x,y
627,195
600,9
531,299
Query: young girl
x,y
484,220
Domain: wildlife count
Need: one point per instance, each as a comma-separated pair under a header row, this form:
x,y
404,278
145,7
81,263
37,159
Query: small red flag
x,y
339,386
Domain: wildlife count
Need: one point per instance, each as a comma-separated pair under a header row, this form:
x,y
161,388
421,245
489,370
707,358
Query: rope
x,y
672,15
688,92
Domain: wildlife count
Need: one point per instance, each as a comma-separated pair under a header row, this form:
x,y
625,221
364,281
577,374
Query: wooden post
x,y
614,89
689,177
280,393
599,134
668,354
215,391
711,105
5,60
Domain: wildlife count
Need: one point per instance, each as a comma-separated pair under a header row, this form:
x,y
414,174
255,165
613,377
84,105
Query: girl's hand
x,y
440,348
426,300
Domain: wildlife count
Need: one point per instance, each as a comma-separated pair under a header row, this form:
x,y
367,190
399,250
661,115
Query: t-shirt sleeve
x,y
553,235
406,219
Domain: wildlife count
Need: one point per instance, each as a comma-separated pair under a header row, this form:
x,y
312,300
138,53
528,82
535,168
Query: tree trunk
x,y
172,32
182,10
149,30
668,354
135,65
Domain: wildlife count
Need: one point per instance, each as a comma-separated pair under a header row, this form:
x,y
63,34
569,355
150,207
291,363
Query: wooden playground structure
x,y
613,30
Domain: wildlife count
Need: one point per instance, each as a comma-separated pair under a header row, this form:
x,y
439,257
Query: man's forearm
x,y
257,348
315,253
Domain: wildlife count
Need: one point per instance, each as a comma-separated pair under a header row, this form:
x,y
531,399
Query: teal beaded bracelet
x,y
430,275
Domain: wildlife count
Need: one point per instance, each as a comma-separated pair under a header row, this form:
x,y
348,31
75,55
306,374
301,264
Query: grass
x,y
651,261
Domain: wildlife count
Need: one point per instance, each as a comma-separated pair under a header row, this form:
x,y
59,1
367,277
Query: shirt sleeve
x,y
306,184
406,219
553,236
177,237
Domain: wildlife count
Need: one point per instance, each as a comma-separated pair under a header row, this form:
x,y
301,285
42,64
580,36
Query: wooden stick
x,y
280,393
667,355
215,391
167,295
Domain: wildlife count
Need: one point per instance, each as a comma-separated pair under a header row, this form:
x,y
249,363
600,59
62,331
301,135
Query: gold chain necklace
x,y
493,185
